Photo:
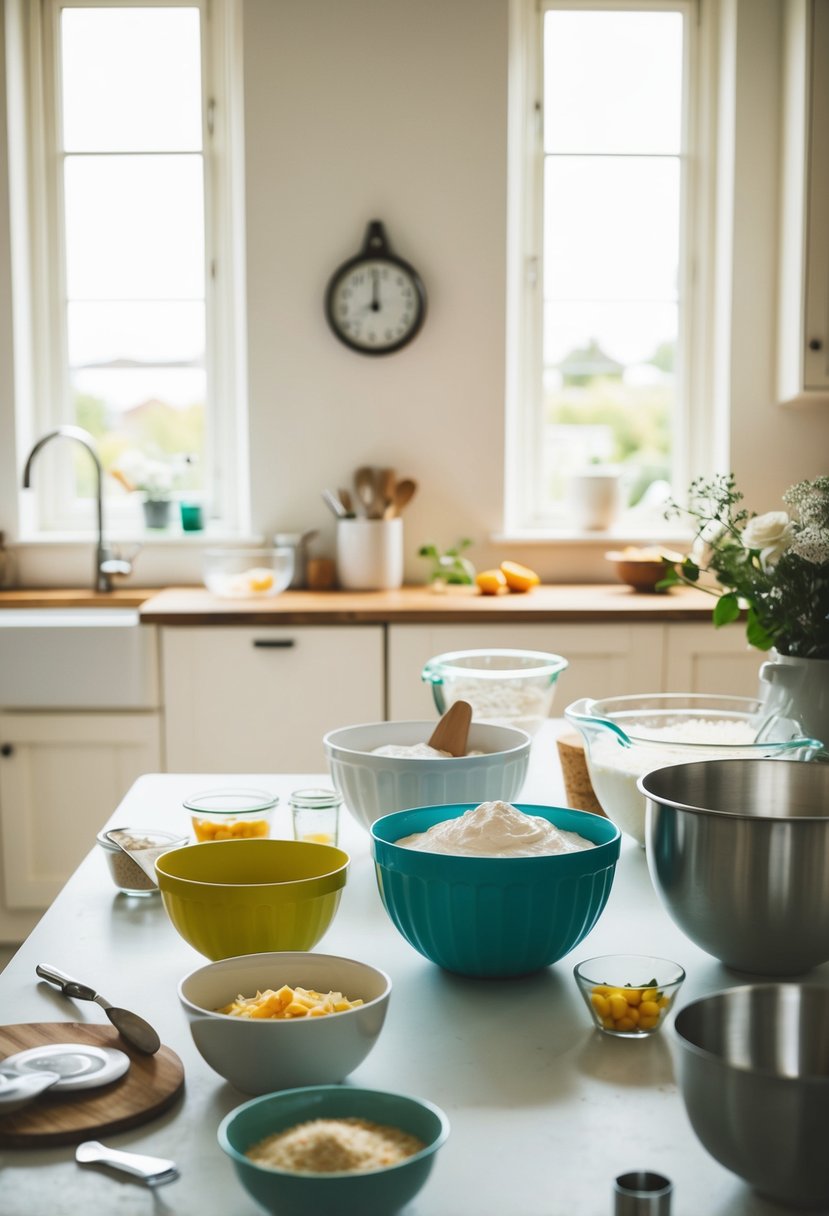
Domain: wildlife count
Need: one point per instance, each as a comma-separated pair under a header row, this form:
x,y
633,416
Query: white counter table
x,y
544,1111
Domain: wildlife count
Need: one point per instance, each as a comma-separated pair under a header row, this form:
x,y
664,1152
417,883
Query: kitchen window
x,y
128,204
603,217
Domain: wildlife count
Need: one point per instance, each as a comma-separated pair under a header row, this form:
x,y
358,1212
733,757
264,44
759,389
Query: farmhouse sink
x,y
77,658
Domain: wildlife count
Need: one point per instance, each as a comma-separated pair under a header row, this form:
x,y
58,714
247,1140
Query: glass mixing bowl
x,y
511,687
626,737
248,573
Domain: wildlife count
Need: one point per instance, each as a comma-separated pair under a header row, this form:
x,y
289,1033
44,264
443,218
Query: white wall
x,y
396,109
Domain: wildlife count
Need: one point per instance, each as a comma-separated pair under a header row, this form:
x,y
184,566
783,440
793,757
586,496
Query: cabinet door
x,y
701,658
247,700
604,660
61,777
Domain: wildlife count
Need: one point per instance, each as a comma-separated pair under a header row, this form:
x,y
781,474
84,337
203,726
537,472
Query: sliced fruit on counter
x,y
518,577
491,582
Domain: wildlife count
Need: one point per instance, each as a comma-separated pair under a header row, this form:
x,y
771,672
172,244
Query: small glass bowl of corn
x,y
628,995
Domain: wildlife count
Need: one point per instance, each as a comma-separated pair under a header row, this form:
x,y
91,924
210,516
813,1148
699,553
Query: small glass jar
x,y
239,813
316,815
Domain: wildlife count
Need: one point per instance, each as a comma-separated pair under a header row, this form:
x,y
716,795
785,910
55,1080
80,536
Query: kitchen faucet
x,y
107,563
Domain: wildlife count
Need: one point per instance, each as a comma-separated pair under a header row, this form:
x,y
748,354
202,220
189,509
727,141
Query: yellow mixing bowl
x,y
230,897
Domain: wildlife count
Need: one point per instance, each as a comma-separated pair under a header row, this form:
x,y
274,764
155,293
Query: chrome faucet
x,y
107,563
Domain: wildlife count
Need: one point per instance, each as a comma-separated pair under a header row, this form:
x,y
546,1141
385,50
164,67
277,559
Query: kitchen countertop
x,y
587,603
579,604
544,1111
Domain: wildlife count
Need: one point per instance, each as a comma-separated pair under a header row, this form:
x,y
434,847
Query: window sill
x,y
613,537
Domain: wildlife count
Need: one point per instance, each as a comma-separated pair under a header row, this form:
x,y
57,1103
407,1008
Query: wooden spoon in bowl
x,y
451,733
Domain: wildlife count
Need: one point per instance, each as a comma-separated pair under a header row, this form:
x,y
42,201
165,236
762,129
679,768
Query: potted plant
x,y
153,479
449,568
776,566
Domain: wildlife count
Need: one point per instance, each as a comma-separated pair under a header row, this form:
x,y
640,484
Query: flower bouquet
x,y
774,565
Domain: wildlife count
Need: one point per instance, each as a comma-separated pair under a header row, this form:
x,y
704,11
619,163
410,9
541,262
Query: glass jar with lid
x,y
316,815
237,813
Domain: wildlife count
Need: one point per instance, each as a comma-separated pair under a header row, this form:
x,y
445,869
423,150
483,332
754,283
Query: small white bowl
x,y
372,786
258,1055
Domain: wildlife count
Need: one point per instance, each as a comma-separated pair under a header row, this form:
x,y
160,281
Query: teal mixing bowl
x,y
378,1192
494,917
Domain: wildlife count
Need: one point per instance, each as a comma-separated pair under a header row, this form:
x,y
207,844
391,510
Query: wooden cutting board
x,y
151,1086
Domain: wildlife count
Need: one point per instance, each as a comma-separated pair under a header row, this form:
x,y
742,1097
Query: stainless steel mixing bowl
x,y
754,1076
739,853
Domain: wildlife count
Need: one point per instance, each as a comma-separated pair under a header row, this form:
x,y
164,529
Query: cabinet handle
x,y
815,344
6,750
273,643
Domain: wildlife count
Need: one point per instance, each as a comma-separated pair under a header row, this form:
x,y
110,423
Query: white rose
x,y
771,534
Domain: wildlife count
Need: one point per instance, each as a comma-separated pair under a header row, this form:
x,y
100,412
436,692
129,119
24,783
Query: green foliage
x,y
449,566
774,565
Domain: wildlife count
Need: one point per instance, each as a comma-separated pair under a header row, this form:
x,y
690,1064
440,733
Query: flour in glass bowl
x,y
521,704
614,769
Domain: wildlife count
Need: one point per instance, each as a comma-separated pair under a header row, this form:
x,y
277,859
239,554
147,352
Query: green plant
x,y
774,565
449,566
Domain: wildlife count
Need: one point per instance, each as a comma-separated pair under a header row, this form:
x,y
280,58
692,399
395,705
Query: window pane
x,y
611,228
609,392
155,410
134,227
140,333
131,79
612,81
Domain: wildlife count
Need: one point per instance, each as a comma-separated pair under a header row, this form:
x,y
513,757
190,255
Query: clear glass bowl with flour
x,y
626,737
511,687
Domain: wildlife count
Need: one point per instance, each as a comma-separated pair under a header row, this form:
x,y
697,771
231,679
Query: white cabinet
x,y
803,279
259,700
61,777
605,660
700,658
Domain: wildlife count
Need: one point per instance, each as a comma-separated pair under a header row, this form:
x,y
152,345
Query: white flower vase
x,y
798,689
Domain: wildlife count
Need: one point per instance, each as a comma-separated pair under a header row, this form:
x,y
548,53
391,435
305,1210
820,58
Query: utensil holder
x,y
370,554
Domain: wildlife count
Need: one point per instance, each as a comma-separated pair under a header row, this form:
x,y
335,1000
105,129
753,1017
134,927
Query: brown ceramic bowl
x,y
641,569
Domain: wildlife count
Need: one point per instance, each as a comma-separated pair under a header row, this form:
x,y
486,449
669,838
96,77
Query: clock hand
x,y
375,291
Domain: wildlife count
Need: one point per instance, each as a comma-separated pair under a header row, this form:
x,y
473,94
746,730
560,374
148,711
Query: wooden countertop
x,y
76,597
576,604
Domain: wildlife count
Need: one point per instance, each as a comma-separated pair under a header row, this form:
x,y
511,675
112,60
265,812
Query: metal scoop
x,y
129,1025
155,1171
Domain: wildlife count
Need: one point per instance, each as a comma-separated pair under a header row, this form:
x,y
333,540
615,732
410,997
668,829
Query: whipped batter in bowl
x,y
496,829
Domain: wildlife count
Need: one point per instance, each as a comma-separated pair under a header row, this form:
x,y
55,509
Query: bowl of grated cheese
x,y
284,1019
332,1150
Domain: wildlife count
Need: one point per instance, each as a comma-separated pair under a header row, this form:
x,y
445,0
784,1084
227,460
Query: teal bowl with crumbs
x,y
494,917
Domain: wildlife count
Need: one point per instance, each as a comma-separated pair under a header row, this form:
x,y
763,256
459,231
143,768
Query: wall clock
x,y
375,302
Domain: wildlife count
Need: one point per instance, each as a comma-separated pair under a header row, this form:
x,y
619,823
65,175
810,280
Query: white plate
x,y
80,1065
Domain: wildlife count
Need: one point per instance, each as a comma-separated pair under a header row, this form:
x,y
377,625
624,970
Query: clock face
x,y
375,305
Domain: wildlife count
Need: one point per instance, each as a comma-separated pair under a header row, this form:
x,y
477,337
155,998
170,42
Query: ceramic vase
x,y
156,512
798,689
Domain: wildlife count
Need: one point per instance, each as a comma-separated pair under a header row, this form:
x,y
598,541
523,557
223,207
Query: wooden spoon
x,y
451,732
364,487
404,492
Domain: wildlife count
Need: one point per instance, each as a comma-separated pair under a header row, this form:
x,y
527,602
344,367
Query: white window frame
x,y
41,351
696,441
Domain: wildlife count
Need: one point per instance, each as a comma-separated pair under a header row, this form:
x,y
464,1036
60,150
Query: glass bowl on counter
x,y
628,995
126,873
248,573
511,687
238,813
626,737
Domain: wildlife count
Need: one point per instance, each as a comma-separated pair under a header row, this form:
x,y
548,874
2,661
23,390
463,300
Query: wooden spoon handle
x,y
451,733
